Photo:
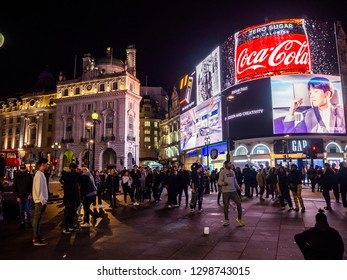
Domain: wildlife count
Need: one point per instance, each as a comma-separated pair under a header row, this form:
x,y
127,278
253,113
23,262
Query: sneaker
x,y
79,219
136,203
40,243
200,211
296,209
303,210
66,231
169,206
101,206
176,205
226,223
290,209
85,225
327,208
98,220
241,223
73,229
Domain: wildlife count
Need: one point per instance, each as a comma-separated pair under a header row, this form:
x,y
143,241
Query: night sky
x,y
171,37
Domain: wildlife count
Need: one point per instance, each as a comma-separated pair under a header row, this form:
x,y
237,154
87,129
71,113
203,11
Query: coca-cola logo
x,y
266,55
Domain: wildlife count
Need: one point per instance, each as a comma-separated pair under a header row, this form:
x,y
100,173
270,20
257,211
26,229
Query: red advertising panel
x,y
274,48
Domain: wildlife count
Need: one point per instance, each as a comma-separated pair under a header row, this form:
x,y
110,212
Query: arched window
x,y
241,151
333,147
131,124
260,149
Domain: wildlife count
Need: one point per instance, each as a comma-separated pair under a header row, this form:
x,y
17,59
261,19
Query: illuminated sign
x,y
204,120
186,98
307,104
277,47
289,46
208,77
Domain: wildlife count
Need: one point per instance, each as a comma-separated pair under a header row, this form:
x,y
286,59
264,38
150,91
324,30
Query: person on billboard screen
x,y
323,116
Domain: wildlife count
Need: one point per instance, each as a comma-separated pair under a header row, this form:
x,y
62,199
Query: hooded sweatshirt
x,y
227,179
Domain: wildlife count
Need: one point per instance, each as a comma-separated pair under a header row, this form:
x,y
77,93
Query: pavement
x,y
154,232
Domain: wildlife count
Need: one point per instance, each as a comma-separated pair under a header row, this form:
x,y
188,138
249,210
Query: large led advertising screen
x,y
249,111
289,46
202,122
307,104
208,77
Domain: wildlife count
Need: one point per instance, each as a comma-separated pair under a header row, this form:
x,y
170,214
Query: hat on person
x,y
321,217
23,166
73,165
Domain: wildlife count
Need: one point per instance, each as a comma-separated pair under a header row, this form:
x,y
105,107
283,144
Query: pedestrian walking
x,y
227,179
88,193
198,188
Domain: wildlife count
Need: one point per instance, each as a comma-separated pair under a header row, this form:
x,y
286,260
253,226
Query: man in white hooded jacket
x,y
227,179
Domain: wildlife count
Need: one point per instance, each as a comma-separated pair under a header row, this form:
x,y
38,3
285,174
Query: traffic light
x,y
55,161
314,151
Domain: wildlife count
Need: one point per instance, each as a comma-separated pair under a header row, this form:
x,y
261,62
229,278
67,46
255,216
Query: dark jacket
x,y
69,180
184,177
112,183
23,184
328,179
295,177
320,244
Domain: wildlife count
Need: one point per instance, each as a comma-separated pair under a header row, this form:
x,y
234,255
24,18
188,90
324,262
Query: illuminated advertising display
x,y
249,111
288,104
204,120
291,46
208,77
307,104
186,93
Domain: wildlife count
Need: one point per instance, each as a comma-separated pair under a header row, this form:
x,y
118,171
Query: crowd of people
x,y
87,190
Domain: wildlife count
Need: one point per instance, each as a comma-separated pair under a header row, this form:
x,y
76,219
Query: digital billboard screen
x,y
187,97
208,77
248,114
202,122
307,104
289,46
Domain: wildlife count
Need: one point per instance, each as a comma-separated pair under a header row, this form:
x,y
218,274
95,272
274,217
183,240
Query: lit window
x,y
147,139
155,124
147,131
147,123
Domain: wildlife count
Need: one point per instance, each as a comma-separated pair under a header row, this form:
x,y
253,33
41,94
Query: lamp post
x,y
229,98
89,127
95,118
207,142
56,147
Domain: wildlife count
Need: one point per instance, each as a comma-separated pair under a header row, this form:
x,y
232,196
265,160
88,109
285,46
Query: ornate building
x,y
170,135
108,87
28,120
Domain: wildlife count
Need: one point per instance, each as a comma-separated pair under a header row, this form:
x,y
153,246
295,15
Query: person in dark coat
x,y
112,186
69,180
327,180
284,188
23,189
321,242
197,188
342,180
172,187
183,183
295,185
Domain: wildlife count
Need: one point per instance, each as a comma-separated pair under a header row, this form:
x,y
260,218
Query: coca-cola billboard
x,y
291,46
274,48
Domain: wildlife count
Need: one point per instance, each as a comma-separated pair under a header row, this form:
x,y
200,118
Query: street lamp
x,y
95,118
56,147
229,98
89,127
207,142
